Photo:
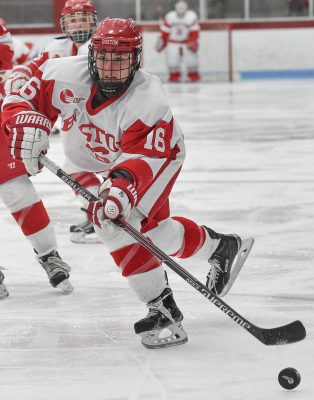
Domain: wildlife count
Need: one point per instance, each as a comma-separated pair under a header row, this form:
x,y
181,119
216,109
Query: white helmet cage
x,y
79,26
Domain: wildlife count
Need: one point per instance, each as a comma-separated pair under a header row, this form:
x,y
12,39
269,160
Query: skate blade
x,y
244,251
173,335
82,238
65,286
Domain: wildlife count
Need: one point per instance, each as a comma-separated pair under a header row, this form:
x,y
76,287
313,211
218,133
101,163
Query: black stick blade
x,y
291,333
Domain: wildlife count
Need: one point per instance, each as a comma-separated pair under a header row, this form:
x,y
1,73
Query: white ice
x,y
249,170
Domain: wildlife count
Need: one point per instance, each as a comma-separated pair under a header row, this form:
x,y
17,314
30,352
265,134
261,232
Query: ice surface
x,y
249,170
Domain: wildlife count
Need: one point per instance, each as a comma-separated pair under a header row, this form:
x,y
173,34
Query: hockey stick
x,y
285,334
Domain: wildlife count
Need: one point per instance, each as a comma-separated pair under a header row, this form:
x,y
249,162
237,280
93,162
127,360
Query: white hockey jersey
x,y
178,29
61,47
21,52
134,130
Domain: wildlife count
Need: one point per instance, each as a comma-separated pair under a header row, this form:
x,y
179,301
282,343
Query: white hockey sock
x,y
148,285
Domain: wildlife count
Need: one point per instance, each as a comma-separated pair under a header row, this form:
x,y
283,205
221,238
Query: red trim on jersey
x,y
74,49
95,111
134,259
32,219
194,238
86,179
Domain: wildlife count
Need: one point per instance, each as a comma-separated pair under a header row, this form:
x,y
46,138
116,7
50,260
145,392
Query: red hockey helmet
x,y
78,20
115,54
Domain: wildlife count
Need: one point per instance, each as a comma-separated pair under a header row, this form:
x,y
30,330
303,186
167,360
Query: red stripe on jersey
x,y
134,259
87,179
32,219
194,238
74,49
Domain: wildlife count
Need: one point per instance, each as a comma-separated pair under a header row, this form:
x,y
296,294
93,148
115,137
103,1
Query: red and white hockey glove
x,y
192,45
18,77
117,197
28,137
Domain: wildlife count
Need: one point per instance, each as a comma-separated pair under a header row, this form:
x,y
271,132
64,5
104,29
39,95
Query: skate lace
x,y
214,271
158,308
54,264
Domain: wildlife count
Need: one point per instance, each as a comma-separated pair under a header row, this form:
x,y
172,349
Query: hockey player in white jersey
x,y
6,57
119,124
179,32
78,22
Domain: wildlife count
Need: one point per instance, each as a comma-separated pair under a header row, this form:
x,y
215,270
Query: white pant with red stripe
x,y
21,198
176,236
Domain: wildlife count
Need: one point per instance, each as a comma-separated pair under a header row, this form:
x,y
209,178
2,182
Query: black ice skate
x,y
227,261
3,290
83,233
57,271
162,325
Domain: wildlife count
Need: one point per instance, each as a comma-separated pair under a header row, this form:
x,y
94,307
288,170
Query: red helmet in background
x,y
115,54
72,6
78,20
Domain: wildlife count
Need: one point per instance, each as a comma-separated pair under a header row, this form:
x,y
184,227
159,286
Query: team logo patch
x,y
112,210
67,96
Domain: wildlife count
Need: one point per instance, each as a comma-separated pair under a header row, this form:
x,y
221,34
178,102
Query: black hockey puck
x,y
289,378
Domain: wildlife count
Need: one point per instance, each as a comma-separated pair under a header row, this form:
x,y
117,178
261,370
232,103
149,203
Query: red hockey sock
x,y
134,259
194,238
32,219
